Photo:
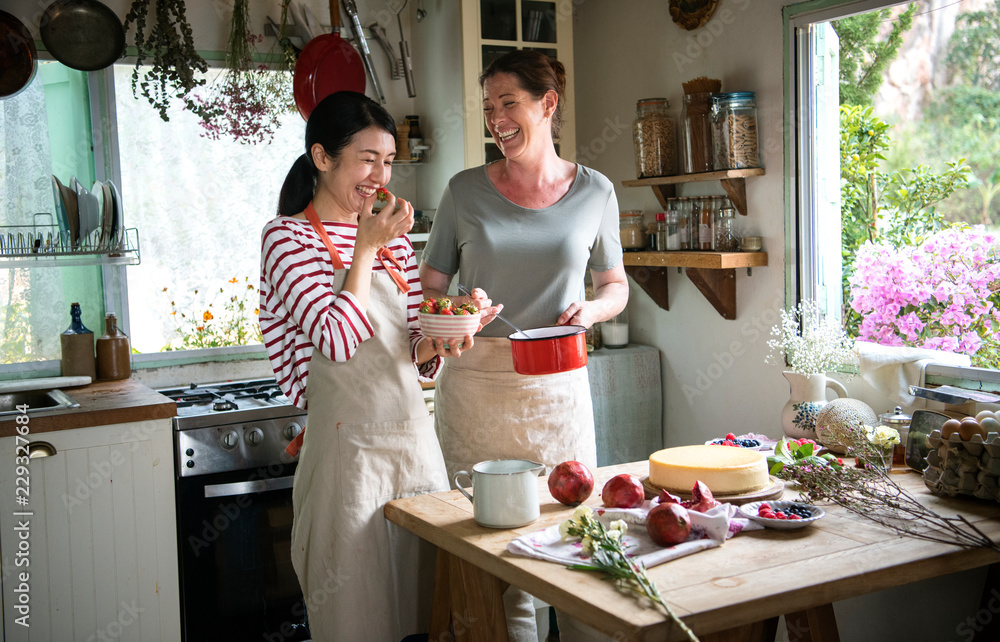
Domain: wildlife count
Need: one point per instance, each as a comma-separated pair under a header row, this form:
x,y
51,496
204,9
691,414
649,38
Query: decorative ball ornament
x,y
692,14
839,415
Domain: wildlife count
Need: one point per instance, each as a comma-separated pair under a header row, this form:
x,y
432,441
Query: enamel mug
x,y
504,492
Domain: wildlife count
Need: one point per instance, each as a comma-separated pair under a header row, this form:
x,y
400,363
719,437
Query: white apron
x,y
368,439
483,409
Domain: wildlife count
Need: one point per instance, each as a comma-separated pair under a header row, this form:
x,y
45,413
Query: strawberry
x,y
382,194
447,311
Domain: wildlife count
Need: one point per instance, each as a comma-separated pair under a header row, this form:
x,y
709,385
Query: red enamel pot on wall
x,y
542,351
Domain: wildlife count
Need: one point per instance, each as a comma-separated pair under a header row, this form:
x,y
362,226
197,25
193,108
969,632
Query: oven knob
x,y
190,464
189,452
230,439
291,431
255,436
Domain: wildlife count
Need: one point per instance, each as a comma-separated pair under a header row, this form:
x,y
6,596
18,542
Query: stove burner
x,y
223,405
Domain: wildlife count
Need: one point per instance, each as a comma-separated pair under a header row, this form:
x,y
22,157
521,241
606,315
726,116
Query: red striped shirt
x,y
300,312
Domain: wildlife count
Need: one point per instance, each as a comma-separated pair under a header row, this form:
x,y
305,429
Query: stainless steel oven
x,y
234,512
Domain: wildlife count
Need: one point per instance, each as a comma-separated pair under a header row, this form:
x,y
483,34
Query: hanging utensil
x,y
82,34
301,28
18,57
359,35
404,51
327,64
395,64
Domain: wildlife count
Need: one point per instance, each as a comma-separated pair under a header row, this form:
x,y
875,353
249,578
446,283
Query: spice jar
x,y
684,222
696,124
726,238
655,137
673,232
631,230
901,423
734,131
702,220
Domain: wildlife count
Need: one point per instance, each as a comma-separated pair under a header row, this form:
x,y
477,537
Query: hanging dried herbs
x,y
168,43
247,100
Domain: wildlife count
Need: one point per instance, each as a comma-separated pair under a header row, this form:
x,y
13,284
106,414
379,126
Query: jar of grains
x,y
655,138
633,233
734,131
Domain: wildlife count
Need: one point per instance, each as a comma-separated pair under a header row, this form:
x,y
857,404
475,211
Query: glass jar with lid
x,y
901,422
726,237
684,222
631,230
655,137
734,131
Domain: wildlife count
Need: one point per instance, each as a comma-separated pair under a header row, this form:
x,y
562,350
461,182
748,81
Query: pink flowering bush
x,y
943,294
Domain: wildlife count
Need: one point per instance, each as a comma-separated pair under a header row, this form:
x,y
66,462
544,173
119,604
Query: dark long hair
x,y
536,73
332,124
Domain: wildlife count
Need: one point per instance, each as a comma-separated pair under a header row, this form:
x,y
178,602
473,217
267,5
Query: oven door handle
x,y
249,487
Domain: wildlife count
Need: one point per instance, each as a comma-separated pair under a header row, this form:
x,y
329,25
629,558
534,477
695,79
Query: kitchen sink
x,y
35,401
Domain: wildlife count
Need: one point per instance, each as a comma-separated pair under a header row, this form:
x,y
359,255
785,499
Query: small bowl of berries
x,y
441,319
781,514
750,441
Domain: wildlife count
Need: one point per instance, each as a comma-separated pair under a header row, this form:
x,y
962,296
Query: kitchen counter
x,y
101,404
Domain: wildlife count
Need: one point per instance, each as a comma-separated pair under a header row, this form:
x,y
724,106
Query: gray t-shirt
x,y
532,260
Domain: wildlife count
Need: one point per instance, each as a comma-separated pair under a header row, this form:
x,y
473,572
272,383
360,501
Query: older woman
x,y
526,229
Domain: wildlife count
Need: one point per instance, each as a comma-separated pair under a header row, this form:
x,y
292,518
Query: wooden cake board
x,y
772,491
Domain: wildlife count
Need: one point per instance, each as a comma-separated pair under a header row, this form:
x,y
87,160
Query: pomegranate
x,y
623,491
571,483
668,524
701,500
666,497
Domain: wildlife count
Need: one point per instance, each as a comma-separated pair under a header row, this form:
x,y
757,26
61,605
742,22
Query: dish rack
x,y
49,245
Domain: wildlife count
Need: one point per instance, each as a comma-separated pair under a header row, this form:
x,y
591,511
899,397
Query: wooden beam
x,y
653,281
736,188
718,286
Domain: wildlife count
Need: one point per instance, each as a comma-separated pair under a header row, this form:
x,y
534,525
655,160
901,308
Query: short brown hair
x,y
536,73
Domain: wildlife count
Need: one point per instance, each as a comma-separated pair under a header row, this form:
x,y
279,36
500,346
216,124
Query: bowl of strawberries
x,y
442,319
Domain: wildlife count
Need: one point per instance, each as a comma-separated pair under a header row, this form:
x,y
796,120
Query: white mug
x,y
506,492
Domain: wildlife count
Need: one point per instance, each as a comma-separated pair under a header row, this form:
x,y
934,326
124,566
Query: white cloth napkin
x,y
708,530
891,370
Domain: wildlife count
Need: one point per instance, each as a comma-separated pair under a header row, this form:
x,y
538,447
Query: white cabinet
x,y
628,402
98,534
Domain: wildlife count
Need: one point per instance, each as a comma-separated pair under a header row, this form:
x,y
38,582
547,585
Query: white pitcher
x,y
807,397
505,492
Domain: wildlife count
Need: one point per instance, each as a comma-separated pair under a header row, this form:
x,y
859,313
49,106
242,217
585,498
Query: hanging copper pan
x,y
82,34
18,57
327,64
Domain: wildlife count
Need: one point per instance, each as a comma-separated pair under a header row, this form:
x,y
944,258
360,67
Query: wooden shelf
x,y
713,273
732,180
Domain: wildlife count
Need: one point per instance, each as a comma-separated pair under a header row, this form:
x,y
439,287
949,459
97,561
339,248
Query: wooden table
x,y
736,591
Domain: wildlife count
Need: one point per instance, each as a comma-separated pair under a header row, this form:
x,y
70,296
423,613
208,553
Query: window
x,y
198,205
883,159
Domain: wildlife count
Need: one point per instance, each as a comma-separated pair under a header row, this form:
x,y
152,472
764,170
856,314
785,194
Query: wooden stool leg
x,y
762,631
441,602
813,625
477,611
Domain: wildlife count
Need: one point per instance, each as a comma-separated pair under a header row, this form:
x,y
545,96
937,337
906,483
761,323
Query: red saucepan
x,y
327,64
542,351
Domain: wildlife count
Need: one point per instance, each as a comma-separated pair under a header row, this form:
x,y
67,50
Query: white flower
x,y
588,546
564,530
808,344
581,512
614,535
618,525
883,436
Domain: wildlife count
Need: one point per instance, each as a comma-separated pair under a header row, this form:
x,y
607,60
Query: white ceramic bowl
x,y
446,326
750,512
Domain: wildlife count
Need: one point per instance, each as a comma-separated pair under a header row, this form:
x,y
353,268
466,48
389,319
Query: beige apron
x,y
368,439
484,410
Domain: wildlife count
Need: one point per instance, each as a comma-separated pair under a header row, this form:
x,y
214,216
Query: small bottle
x,y
113,353
684,222
726,238
661,231
77,347
704,217
673,233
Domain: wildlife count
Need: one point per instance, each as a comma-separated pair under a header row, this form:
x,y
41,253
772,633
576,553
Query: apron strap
x,y
383,255
295,444
313,218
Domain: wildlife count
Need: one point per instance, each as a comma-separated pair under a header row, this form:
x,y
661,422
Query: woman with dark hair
x,y
339,298
527,229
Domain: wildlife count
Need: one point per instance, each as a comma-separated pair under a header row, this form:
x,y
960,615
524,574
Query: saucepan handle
x,y
454,480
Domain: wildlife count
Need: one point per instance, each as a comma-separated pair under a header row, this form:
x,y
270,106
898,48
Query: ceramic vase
x,y
806,398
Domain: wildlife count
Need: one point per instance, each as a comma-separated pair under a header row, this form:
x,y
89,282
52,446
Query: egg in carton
x,y
964,467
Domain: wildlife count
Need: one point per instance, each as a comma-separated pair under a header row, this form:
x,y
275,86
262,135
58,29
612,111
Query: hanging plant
x,y
247,100
170,45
